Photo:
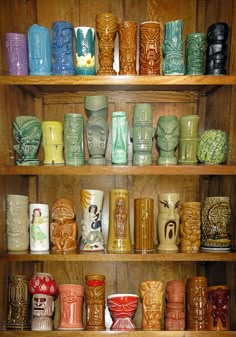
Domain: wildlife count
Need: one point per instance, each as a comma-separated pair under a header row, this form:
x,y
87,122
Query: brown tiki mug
x,y
197,313
95,302
143,225
106,27
174,310
190,227
218,308
150,48
18,303
127,47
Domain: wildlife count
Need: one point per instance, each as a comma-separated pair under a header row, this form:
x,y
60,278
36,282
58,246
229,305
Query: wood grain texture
x,y
50,97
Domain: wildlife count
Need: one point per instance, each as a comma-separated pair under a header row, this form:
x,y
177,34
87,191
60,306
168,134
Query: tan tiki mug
x,y
119,239
143,225
151,293
190,227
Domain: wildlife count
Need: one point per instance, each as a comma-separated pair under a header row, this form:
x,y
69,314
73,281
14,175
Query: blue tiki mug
x,y
62,48
39,50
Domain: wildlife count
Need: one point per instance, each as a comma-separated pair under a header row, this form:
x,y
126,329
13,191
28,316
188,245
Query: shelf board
x,y
44,84
136,333
99,257
88,170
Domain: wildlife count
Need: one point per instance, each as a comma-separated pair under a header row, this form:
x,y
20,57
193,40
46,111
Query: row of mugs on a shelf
x,y
180,226
207,307
64,143
31,54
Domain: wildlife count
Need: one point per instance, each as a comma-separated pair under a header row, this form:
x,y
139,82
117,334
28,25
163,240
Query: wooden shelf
x,y
38,85
109,169
137,333
90,257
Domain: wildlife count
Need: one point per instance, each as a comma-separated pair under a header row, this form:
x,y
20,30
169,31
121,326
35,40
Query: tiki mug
x,y
167,139
17,220
71,306
127,47
142,133
168,221
106,28
63,228
216,52
39,50
122,308
143,225
119,239
52,142
188,140
216,229
18,316
43,288
194,53
218,308
174,310
151,293
197,308
92,239
17,54
39,227
85,50
150,48
27,132
74,139
212,147
173,63
96,108
119,152
95,302
190,227
62,48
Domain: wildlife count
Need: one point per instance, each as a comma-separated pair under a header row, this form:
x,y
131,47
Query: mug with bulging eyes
x,y
168,221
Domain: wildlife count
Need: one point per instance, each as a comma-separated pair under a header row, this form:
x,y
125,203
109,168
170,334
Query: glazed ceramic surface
x,y
151,293
85,50
168,221
142,133
71,306
39,50
127,47
39,227
173,63
150,48
119,152
74,139
91,226
27,131
167,133
95,302
216,224
143,225
62,48
18,317
218,308
17,220
119,239
52,142
122,308
188,140
17,56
